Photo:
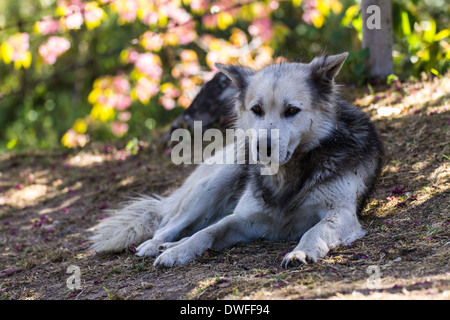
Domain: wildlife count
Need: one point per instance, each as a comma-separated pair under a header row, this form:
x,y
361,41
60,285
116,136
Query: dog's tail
x,y
129,226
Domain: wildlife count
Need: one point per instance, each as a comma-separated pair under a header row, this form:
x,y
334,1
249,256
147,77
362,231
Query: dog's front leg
x,y
228,231
243,225
205,197
337,227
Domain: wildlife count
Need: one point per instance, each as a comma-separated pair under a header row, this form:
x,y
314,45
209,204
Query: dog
x,y
328,154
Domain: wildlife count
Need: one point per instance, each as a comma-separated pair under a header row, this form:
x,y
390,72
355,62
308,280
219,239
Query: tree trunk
x,y
378,36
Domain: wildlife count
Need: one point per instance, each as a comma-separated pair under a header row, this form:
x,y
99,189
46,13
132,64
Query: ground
x,y
50,199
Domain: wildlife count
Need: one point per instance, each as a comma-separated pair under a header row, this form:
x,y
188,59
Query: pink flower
x,y
124,116
122,101
209,21
127,9
47,26
152,41
170,91
145,89
261,28
178,14
119,129
111,92
149,64
53,48
16,48
132,56
121,84
93,14
72,139
74,18
149,16
199,5
310,11
167,102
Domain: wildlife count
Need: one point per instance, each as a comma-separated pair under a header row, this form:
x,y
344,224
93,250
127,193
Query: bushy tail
x,y
128,226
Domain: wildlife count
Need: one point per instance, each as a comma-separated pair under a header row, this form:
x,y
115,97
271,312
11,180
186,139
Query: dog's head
x,y
296,99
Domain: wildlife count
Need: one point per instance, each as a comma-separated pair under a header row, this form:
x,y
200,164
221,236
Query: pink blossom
x,y
20,45
73,139
73,19
112,92
127,9
119,129
189,65
178,14
261,28
185,33
47,26
122,101
121,84
210,21
53,48
310,11
149,64
92,13
124,116
131,56
199,5
149,16
170,91
152,41
187,84
273,5
167,102
145,89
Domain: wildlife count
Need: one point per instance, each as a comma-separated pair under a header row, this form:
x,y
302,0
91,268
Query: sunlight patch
x,y
84,159
28,194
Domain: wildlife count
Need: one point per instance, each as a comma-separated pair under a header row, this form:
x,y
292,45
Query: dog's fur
x,y
329,157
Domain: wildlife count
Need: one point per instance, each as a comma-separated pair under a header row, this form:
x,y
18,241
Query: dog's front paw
x,y
296,258
174,257
149,248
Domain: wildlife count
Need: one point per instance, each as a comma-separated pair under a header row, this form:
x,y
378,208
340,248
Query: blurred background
x,y
77,72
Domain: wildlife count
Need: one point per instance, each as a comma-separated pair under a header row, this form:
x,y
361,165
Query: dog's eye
x,y
257,110
291,111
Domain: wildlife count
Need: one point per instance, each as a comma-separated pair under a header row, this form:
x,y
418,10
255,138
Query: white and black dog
x,y
328,153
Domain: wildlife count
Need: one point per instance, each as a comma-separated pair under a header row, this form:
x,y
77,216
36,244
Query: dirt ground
x,y
50,199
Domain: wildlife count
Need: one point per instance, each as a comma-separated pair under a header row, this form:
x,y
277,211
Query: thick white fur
x,y
129,226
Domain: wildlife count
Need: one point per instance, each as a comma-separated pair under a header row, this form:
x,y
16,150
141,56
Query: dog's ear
x,y
238,75
326,68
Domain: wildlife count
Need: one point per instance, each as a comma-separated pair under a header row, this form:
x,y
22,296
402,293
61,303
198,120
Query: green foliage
x,y
421,38
355,67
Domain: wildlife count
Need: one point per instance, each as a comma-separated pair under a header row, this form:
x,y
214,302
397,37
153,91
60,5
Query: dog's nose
x,y
268,148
